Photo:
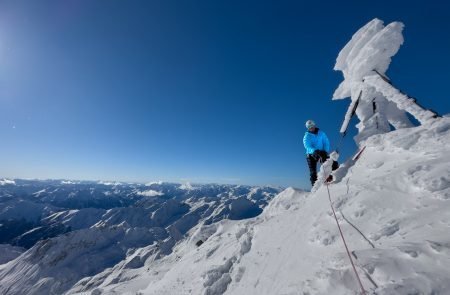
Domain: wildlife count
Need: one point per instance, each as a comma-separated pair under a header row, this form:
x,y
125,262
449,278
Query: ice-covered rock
x,y
367,55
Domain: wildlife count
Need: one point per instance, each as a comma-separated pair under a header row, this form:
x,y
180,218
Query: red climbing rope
x,y
363,291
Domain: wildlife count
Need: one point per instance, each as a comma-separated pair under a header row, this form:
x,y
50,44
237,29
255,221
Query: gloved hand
x,y
316,155
334,156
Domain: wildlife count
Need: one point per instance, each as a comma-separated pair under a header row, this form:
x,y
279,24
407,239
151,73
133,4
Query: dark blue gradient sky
x,y
200,91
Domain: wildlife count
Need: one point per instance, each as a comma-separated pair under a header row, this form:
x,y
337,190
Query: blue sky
x,y
200,91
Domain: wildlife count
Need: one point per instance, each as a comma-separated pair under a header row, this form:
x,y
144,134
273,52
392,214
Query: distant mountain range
x,y
66,230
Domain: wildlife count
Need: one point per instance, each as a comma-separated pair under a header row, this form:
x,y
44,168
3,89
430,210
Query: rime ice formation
x,y
369,54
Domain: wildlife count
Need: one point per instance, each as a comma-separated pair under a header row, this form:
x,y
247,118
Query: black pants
x,y
312,164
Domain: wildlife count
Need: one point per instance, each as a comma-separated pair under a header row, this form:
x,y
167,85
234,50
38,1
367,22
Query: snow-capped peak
x,y
6,181
150,193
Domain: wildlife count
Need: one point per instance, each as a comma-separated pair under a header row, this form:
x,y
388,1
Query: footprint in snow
x,y
359,213
240,274
439,247
325,238
392,227
217,279
375,165
410,252
246,245
211,251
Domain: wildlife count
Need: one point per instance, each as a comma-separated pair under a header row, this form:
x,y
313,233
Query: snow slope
x,y
105,232
9,252
394,208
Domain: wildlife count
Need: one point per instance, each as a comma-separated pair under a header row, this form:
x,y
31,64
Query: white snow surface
x,y
154,182
5,181
77,219
187,186
109,183
150,193
396,196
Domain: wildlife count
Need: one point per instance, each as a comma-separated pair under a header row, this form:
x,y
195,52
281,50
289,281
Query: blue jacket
x,y
316,141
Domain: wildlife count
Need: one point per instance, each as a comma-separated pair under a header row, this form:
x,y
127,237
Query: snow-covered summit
x,y
393,205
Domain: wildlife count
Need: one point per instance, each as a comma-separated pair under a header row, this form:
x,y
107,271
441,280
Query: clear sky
x,y
200,91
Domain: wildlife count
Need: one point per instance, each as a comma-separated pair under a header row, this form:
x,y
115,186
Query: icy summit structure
x,y
364,62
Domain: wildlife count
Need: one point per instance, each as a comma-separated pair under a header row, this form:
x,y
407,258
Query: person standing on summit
x,y
317,148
